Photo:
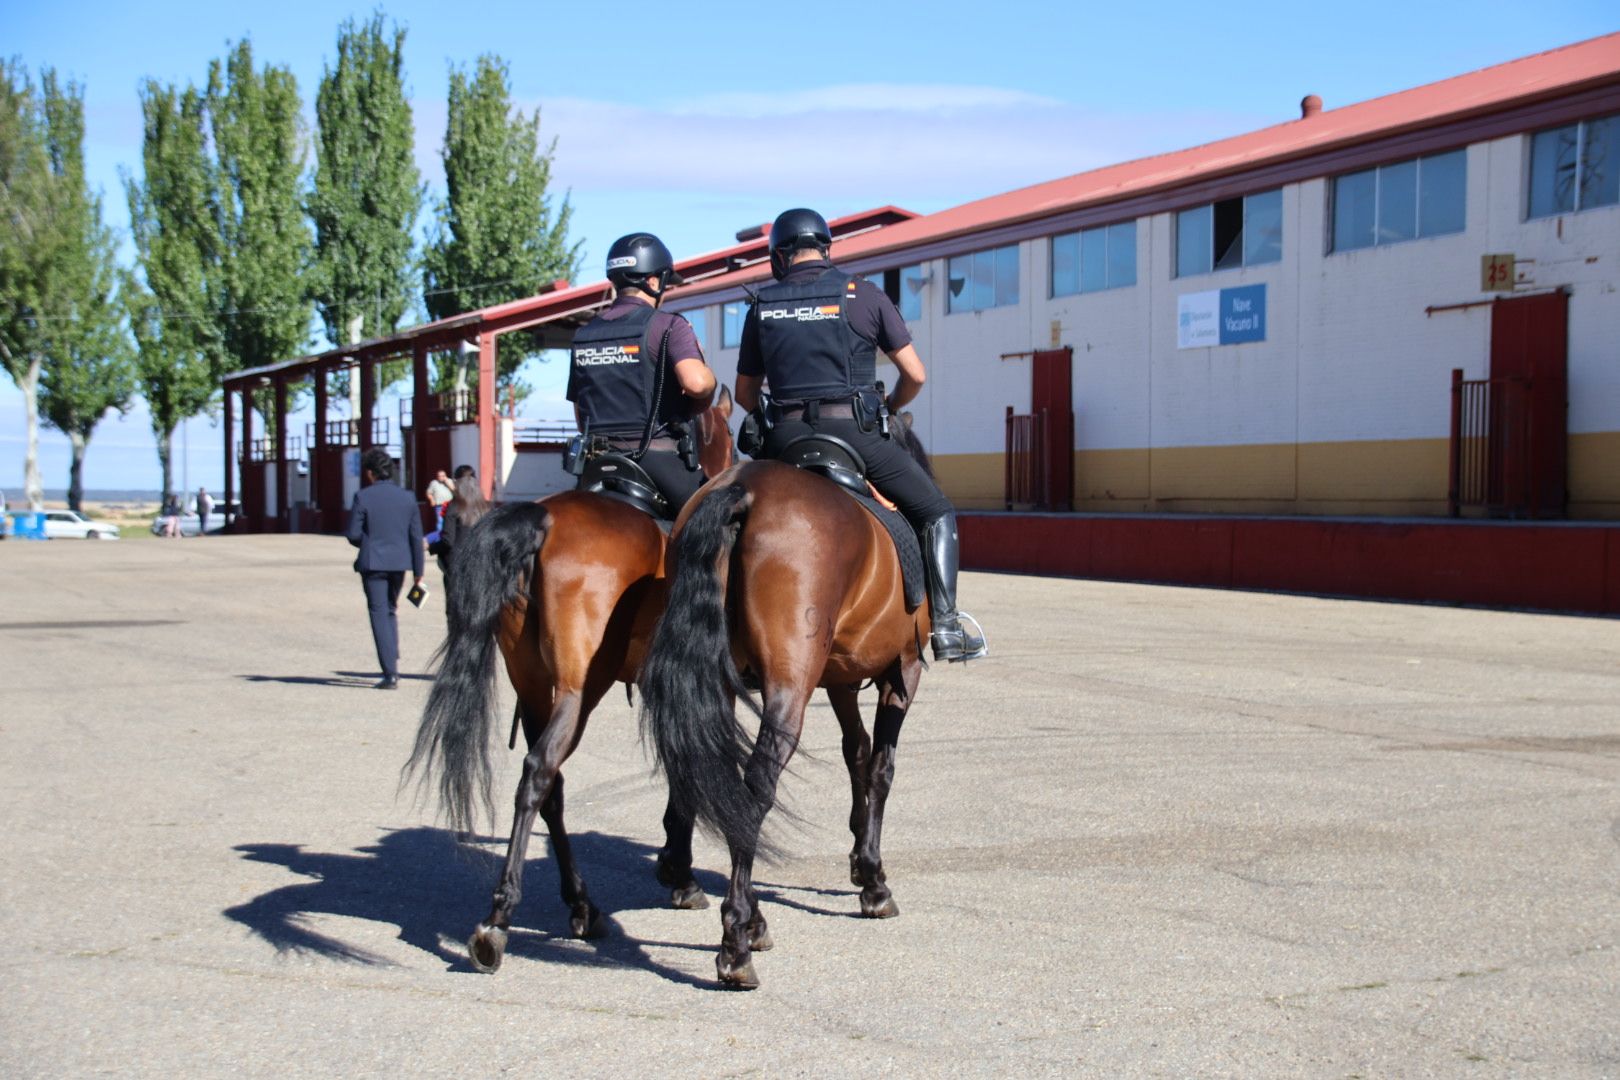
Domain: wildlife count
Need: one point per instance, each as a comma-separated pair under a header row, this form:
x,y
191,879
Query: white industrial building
x,y
1270,323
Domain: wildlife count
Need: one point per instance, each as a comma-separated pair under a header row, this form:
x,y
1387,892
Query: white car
x,y
72,525
191,524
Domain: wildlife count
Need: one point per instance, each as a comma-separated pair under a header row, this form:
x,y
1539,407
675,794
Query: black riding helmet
x,y
641,260
795,230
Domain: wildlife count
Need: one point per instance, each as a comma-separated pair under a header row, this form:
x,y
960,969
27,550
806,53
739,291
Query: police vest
x,y
809,349
616,376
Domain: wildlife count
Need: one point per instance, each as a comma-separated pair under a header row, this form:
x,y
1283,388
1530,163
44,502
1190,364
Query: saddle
x,y
838,461
621,477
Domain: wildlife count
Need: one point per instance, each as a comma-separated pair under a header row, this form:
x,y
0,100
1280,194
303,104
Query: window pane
x,y
960,294
1093,260
1122,254
731,321
1552,171
911,287
1066,264
1262,228
1192,241
1228,233
982,288
1397,202
1353,200
699,319
1006,275
1443,193
1600,162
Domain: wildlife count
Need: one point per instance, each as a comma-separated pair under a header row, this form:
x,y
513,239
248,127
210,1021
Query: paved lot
x,y
1165,832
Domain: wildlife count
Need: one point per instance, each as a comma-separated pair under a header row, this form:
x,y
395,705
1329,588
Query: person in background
x,y
464,510
205,506
439,493
386,526
171,516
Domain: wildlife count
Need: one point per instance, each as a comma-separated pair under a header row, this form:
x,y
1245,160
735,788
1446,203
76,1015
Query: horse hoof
x,y
486,948
885,908
737,976
589,924
690,898
762,941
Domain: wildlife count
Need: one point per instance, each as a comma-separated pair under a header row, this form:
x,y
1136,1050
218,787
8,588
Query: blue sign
x,y
1243,314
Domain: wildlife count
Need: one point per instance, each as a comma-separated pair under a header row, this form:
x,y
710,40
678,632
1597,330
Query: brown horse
x,y
778,571
569,588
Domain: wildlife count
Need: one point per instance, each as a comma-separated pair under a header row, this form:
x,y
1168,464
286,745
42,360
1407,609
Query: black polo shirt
x,y
872,315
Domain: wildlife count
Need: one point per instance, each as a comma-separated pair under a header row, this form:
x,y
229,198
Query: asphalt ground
x,y
1163,832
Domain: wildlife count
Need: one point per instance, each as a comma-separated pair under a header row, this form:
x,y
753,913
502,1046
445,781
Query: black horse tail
x,y
689,681
492,567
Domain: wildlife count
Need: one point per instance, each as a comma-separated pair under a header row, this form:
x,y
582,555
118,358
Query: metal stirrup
x,y
984,643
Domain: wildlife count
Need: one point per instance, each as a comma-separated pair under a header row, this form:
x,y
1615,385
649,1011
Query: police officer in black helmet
x,y
813,335
637,373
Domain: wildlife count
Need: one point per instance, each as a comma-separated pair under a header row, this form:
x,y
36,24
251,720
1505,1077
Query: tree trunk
x,y
163,447
76,471
29,386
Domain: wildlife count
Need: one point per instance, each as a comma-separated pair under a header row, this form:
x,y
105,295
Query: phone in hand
x,y
416,595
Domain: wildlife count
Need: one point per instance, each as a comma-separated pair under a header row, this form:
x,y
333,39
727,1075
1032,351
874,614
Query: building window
x,y
731,324
1094,259
1426,196
1229,233
912,280
985,279
699,318
1575,167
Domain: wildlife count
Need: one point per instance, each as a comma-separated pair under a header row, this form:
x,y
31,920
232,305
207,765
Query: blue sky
x,y
699,119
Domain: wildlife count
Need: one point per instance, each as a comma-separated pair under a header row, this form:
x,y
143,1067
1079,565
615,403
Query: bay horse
x,y
778,571
568,588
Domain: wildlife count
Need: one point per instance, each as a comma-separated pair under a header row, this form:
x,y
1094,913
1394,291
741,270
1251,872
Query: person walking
x,y
385,524
205,506
464,510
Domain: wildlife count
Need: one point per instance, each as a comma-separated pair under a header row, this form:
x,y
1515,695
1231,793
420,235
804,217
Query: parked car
x,y
190,524
72,525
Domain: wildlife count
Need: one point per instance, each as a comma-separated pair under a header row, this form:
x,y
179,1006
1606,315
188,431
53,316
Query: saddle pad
x,y
906,547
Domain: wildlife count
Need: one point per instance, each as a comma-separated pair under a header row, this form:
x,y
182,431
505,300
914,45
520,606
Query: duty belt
x,y
811,411
630,442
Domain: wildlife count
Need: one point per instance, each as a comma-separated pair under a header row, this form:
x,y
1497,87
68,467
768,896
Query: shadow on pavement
x,y
435,891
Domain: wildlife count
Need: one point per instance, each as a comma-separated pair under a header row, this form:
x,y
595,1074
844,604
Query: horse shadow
x,y
434,890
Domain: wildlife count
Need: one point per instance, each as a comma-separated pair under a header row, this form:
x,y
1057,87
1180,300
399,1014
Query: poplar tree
x,y
87,362
367,191
28,241
495,238
175,304
264,239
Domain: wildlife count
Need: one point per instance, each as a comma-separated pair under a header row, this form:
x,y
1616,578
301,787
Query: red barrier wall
x,y
1557,567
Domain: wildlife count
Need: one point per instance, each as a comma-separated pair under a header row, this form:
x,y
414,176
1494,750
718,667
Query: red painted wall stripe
x,y
1556,567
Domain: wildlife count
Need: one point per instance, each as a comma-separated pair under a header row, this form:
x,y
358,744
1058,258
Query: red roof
x,y
1549,74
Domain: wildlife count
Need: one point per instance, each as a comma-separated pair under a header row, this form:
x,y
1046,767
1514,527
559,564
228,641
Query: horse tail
x,y
689,681
493,565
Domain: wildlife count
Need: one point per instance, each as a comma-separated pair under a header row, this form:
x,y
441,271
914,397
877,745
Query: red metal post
x,y
278,387
1007,461
488,427
1453,494
254,514
419,414
317,451
230,451
368,401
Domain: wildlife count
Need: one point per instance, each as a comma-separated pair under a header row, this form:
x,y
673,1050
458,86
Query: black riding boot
x,y
950,639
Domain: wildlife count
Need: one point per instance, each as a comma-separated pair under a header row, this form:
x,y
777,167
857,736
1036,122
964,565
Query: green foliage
x,y
367,191
495,239
264,239
87,357
28,243
175,313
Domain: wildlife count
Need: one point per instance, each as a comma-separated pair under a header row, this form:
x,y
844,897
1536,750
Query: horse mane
x,y
906,436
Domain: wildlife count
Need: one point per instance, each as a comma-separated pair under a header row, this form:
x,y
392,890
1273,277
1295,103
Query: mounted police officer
x,y
813,335
637,374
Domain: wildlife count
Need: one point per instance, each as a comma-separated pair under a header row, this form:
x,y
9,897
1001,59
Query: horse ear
x,y
723,403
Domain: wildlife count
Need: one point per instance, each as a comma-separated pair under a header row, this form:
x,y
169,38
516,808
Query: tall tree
x,y
367,191
28,245
495,238
87,362
264,238
174,313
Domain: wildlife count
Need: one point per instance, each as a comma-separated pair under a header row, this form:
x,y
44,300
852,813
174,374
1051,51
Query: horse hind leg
x,y
857,749
897,687
674,866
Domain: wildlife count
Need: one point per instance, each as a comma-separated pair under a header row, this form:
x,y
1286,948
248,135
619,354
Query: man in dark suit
x,y
386,526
